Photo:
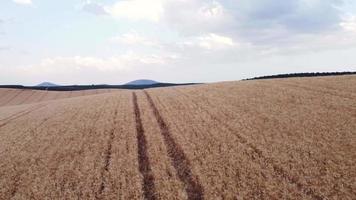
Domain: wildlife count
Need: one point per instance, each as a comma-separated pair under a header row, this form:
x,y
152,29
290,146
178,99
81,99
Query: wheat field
x,y
267,139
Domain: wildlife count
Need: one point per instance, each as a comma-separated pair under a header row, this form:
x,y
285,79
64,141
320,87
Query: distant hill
x,y
47,84
93,87
142,82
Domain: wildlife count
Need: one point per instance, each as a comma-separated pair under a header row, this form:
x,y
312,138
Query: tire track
x,y
17,178
42,96
27,98
55,97
107,158
12,98
18,175
107,161
21,114
303,87
13,115
6,93
28,130
143,160
278,170
179,160
107,154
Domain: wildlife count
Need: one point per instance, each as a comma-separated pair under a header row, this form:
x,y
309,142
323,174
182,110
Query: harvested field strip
x,y
180,162
144,162
21,114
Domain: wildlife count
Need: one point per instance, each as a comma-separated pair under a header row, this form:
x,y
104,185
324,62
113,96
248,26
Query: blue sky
x,y
115,41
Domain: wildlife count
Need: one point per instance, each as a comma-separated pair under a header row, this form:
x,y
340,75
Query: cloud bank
x,y
23,2
195,40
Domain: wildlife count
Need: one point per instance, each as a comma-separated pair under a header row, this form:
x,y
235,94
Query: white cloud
x,y
23,2
151,10
214,41
93,69
209,41
133,38
196,17
211,10
349,24
93,8
259,22
123,62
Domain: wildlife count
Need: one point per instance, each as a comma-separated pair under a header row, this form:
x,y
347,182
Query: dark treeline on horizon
x,y
307,74
92,87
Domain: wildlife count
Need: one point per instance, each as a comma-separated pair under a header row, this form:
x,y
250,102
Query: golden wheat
x,y
266,139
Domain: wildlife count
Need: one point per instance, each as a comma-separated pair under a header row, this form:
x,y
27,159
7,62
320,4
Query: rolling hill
x,y
47,84
262,139
142,82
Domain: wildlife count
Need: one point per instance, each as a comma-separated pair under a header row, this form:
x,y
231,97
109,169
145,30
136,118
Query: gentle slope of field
x,y
266,139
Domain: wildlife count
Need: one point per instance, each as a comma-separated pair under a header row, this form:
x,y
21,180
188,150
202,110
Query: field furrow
x,y
278,170
11,97
263,139
20,114
179,160
143,160
210,151
167,183
294,156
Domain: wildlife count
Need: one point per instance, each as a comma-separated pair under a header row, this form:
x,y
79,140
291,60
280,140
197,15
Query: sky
x,y
116,41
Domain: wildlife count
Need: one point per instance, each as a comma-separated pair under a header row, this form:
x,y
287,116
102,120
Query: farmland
x,y
262,139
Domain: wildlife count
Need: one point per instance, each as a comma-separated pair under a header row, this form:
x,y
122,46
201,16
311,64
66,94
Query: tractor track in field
x,y
32,129
13,115
12,98
20,114
41,124
107,158
148,186
107,154
306,88
42,96
346,109
278,170
55,97
17,178
179,160
5,95
107,162
27,98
